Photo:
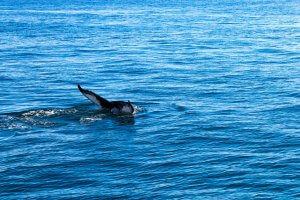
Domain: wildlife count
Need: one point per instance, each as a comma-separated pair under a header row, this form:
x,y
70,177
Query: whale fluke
x,y
101,102
115,107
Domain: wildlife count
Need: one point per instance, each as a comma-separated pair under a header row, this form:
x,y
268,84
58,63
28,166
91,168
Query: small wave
x,y
48,113
178,107
13,126
9,122
34,122
270,50
89,119
290,109
138,109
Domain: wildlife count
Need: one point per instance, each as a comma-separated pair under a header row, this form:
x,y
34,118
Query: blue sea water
x,y
216,86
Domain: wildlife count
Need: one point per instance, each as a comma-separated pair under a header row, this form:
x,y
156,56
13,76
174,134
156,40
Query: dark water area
x,y
215,85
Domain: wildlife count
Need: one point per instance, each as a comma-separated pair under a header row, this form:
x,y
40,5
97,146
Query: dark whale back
x,y
121,106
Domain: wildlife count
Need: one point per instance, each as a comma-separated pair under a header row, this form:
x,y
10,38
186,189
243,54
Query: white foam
x,y
90,119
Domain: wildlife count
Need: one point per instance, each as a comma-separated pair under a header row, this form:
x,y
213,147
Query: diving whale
x,y
115,107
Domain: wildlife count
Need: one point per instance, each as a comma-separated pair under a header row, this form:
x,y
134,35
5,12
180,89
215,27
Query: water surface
x,y
215,85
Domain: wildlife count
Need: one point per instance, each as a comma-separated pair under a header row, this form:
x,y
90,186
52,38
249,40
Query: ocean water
x,y
215,84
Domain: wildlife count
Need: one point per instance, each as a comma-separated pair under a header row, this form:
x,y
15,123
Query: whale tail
x,y
132,108
100,101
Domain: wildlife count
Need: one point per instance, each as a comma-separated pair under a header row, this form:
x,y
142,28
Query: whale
x,y
115,107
